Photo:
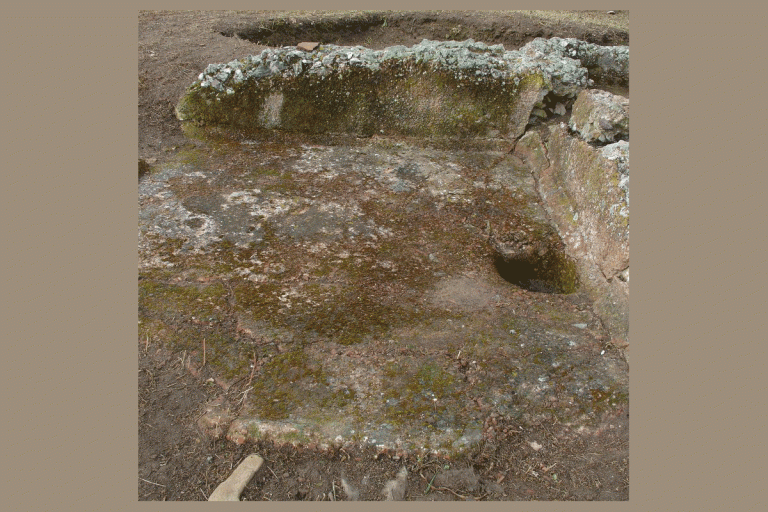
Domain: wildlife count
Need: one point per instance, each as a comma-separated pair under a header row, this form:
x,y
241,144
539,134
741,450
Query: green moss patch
x,y
421,395
281,386
188,301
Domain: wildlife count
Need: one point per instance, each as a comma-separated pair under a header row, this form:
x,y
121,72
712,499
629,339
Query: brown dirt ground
x,y
177,461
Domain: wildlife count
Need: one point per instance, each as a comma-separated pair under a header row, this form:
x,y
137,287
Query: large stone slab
x,y
349,294
433,89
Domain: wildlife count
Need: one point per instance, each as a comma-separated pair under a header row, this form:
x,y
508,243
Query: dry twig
x,y
153,483
253,369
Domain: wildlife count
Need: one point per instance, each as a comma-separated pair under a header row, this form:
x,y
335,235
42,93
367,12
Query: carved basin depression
x,y
385,247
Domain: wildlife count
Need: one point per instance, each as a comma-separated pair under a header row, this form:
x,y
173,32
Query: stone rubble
x,y
604,63
395,490
565,61
470,58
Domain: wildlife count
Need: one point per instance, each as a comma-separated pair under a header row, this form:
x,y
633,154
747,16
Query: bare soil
x,y
177,460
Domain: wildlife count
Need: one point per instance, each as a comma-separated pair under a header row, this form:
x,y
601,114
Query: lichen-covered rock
x,y
599,116
606,64
433,89
586,193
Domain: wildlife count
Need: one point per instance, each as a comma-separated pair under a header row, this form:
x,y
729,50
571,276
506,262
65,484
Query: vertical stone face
x,y
581,189
433,89
581,176
531,92
531,149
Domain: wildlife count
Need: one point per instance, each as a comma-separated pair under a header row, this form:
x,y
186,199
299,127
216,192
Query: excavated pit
x,y
391,290
378,30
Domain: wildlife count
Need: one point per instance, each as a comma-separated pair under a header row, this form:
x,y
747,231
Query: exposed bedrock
x,y
433,89
398,291
465,90
585,190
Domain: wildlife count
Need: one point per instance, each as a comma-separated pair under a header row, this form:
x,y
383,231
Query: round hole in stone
x,y
532,275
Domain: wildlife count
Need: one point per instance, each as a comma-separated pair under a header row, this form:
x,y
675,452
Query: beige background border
x,y
69,213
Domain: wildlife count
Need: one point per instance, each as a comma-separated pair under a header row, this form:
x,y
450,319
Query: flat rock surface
x,y
353,286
